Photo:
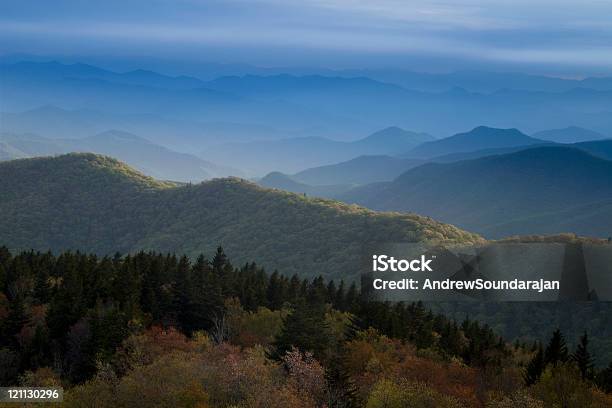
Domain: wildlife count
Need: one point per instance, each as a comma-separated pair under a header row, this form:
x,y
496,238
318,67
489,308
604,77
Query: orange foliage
x,y
372,356
144,348
451,378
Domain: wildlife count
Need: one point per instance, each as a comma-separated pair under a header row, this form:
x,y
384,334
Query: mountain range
x,y
538,190
463,146
479,142
295,154
333,105
176,134
95,203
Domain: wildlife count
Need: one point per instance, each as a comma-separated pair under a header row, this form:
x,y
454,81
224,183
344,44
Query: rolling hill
x,y
600,148
479,138
153,160
95,203
542,190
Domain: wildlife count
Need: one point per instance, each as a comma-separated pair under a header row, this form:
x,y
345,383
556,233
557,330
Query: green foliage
x,y
562,386
389,394
307,329
86,306
100,205
539,320
556,351
536,367
582,358
520,399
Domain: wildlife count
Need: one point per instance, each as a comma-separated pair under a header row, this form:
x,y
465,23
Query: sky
x,y
560,37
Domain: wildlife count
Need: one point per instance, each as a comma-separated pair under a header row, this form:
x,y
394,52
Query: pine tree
x,y
339,298
535,368
219,260
274,292
351,298
582,358
556,351
305,328
12,324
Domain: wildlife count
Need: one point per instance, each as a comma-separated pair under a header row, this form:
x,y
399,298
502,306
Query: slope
x,y
94,203
505,194
284,182
150,158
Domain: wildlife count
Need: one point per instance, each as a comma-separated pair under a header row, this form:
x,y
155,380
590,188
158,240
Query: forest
x,y
155,329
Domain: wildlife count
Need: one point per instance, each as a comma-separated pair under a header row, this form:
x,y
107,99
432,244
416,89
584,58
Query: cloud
x,y
535,31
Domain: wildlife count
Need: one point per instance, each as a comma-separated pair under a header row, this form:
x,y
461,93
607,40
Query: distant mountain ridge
x,y
481,137
360,170
371,168
531,191
295,154
570,134
338,106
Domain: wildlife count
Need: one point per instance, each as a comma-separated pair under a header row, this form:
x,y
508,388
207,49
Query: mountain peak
x,y
479,138
398,139
491,131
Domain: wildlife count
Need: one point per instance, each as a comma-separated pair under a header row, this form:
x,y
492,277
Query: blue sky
x,y
562,37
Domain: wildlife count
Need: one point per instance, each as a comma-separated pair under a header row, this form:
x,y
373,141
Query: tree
x,y
556,351
561,386
535,368
219,260
582,358
390,394
306,329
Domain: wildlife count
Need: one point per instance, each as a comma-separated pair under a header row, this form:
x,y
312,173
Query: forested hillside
x,y
541,190
154,329
97,204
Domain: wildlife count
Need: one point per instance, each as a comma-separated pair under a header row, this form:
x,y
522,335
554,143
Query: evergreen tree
x,y
306,329
535,368
339,298
219,260
556,351
351,298
582,358
275,293
12,324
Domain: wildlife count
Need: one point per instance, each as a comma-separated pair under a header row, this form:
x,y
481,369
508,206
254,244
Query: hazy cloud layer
x,y
558,36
